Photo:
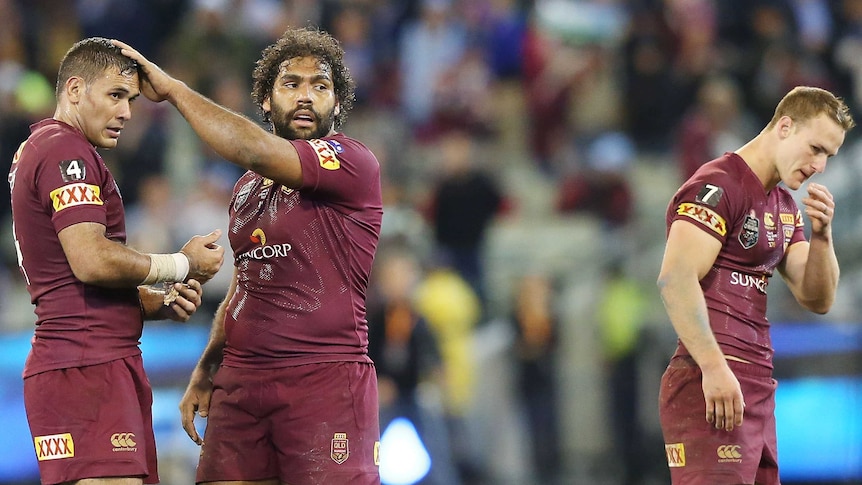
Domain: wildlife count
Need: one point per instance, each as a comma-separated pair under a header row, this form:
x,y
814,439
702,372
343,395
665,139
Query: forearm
x,y
233,136
822,272
152,302
110,264
214,351
686,308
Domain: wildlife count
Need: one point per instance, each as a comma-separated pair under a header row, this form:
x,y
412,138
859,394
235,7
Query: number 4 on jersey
x,y
72,170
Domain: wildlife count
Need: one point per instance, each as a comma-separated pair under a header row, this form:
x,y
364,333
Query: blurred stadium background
x,y
528,150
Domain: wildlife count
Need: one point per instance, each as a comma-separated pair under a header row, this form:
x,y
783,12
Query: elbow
x,y
95,275
85,273
820,306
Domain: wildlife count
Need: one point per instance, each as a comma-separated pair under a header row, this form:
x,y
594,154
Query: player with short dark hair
x,y
285,382
729,227
86,394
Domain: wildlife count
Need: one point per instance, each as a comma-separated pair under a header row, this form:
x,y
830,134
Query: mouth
x,y
304,118
114,132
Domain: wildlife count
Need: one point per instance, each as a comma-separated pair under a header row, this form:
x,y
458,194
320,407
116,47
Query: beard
x,y
281,124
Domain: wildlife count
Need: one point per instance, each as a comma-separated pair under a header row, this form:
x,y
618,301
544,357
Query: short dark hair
x,y
90,58
304,42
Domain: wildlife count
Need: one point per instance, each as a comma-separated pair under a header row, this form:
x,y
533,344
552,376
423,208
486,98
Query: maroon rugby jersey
x,y
57,179
304,258
726,200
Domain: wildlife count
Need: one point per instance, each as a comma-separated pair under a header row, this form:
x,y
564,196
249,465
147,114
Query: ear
x,y
785,126
337,110
74,89
266,105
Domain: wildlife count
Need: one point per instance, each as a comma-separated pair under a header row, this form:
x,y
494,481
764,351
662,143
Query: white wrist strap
x,y
167,268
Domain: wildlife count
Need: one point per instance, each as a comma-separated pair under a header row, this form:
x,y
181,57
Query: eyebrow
x,y
315,77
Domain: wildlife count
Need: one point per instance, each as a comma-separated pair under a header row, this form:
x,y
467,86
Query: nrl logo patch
x,y
340,450
242,194
750,232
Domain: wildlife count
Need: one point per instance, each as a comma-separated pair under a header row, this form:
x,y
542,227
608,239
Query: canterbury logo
x,y
729,453
123,440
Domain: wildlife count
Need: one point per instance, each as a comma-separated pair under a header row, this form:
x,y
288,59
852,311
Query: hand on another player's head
x,y
156,84
205,256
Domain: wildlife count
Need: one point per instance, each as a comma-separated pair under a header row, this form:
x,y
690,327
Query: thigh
x,y
93,421
237,441
329,432
697,453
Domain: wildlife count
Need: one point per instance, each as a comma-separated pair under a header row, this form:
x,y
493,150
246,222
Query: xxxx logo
x,y
55,446
325,154
76,194
675,454
123,441
729,453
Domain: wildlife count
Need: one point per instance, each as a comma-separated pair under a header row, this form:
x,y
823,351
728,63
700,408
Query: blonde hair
x,y
803,103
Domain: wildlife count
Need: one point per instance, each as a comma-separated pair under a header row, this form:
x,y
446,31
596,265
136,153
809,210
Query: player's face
x,y
104,106
303,104
807,148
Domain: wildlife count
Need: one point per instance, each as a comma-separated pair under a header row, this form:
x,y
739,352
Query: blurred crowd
x,y
528,151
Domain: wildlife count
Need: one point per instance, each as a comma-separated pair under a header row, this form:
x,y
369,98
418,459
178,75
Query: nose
x,y
305,92
125,111
820,164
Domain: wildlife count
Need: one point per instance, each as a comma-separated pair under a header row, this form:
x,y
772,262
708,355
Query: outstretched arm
x,y
233,136
689,255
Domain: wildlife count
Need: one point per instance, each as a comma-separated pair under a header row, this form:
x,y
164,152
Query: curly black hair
x,y
304,42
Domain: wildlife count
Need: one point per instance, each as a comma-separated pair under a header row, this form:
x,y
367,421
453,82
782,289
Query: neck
x,y
760,158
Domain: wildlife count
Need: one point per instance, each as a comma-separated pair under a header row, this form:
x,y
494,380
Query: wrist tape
x,y
167,268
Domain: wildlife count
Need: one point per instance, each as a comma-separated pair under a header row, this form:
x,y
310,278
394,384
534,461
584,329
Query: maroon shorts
x,y
699,454
308,424
92,422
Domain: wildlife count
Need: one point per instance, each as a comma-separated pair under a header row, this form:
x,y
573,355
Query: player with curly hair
x,y
285,382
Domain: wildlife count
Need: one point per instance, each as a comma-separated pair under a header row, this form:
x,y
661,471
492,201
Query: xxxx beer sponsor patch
x,y
76,194
703,215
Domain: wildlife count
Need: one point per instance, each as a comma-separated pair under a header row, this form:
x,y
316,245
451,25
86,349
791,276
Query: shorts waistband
x,y
736,366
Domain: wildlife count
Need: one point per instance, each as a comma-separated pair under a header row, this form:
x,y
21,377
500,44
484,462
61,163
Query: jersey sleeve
x,y
70,184
342,170
707,203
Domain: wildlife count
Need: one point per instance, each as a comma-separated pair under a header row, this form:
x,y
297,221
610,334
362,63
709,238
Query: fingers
x,y
819,202
738,410
211,237
187,416
129,51
205,257
187,301
725,413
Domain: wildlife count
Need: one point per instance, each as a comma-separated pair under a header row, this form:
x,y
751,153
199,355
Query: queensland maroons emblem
x,y
340,449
